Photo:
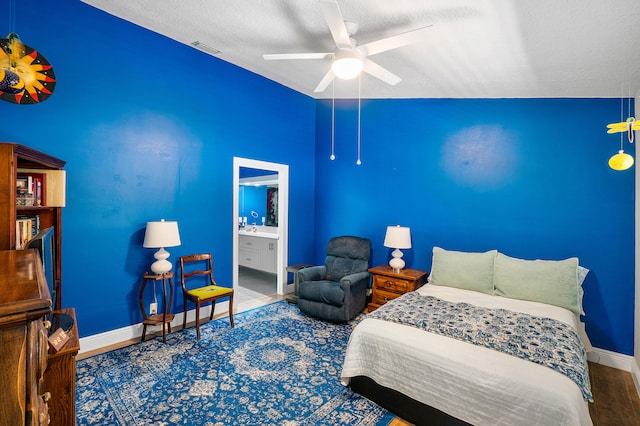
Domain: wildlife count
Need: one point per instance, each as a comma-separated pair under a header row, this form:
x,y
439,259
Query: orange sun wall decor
x,y
33,69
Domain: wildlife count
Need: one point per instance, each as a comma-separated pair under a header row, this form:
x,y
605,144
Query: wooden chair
x,y
207,290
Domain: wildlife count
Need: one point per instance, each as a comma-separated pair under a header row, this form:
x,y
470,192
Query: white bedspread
x,y
478,385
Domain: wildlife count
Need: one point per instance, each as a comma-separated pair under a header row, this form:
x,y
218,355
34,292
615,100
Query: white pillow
x,y
548,281
466,270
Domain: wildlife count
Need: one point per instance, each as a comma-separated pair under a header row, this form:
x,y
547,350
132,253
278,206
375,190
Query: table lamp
x,y
160,235
397,237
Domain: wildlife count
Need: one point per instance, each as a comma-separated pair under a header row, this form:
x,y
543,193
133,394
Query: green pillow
x,y
548,281
469,271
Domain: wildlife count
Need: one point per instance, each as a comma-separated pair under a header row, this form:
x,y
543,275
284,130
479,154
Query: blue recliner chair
x,y
337,290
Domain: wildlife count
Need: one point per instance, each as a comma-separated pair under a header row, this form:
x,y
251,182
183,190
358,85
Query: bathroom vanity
x,y
258,249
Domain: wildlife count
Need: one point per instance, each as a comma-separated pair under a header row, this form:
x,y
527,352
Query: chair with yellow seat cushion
x,y
199,286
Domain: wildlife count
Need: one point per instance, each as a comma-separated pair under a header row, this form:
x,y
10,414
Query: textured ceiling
x,y
475,49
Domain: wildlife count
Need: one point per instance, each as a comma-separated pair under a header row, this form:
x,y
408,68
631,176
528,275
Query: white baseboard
x,y
635,373
610,359
113,337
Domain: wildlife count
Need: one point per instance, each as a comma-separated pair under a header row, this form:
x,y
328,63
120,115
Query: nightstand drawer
x,y
380,297
387,284
391,284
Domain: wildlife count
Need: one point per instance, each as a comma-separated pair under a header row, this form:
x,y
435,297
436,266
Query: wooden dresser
x,y
60,376
24,302
387,284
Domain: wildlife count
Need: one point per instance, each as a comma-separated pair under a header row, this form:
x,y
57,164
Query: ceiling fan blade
x,y
333,16
393,42
326,80
278,56
381,73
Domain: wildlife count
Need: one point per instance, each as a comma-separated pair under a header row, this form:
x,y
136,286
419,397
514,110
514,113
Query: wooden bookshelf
x,y
14,158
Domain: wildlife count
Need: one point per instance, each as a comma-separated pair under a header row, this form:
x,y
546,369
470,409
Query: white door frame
x,y
283,218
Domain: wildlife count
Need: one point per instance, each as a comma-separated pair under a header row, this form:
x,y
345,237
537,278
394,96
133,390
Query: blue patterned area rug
x,y
276,367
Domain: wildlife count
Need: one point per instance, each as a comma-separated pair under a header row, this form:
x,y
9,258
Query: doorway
x,y
262,224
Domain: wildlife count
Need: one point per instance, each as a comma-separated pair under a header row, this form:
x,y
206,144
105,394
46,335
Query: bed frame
x,y
401,405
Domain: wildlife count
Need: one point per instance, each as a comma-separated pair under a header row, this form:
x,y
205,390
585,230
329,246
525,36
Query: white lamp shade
x,y
161,234
398,237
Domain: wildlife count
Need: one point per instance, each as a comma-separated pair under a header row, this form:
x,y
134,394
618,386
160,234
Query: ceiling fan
x,y
349,59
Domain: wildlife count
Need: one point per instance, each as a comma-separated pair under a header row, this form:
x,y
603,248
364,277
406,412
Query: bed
x,y
428,376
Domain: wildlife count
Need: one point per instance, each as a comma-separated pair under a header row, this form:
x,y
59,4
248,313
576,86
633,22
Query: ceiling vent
x,y
205,48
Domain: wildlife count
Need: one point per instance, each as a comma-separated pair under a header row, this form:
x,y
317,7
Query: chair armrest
x,y
314,273
354,280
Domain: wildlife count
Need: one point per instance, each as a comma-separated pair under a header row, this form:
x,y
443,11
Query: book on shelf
x,y
35,224
27,227
24,194
24,228
30,189
52,186
22,185
39,196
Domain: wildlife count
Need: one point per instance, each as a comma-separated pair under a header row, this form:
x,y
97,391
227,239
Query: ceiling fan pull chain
x,y
333,121
358,162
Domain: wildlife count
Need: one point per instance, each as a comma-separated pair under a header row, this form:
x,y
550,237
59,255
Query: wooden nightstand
x,y
387,285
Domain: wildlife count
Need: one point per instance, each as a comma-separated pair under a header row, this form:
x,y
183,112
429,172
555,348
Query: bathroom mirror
x,y
258,197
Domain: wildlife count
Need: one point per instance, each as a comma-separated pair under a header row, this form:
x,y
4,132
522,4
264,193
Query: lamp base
x,y
161,266
396,263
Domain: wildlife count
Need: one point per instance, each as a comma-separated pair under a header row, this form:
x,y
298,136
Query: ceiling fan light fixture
x,y
347,64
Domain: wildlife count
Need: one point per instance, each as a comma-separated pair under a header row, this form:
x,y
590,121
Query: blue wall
x,y
149,129
528,177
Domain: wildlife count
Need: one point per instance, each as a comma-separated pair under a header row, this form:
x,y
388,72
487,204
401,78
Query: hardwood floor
x,y
616,400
